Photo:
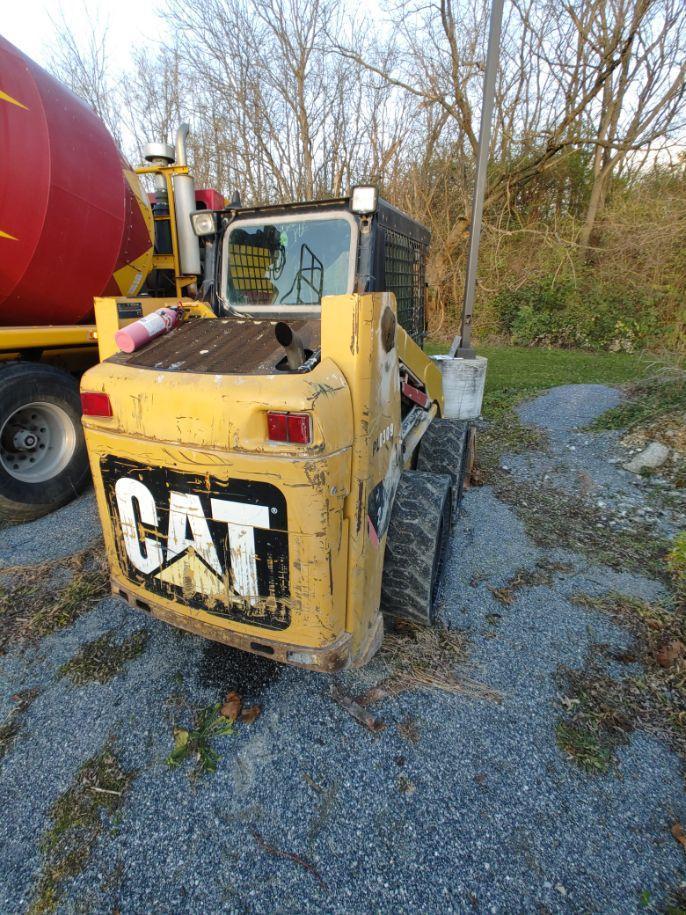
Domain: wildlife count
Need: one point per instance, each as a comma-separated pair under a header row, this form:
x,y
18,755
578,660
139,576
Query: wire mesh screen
x,y
404,264
249,267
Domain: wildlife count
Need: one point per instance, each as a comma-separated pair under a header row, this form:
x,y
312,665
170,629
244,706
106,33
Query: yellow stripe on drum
x,y
4,97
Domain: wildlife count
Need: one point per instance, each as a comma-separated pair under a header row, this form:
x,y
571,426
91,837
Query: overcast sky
x,y
28,24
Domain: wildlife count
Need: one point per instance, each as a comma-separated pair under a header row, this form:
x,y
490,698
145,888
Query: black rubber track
x,y
23,383
416,545
443,449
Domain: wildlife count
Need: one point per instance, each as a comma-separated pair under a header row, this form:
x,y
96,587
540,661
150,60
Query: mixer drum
x,y
74,222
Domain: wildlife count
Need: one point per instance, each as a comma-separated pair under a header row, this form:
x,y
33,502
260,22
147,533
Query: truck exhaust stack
x,y
292,343
184,201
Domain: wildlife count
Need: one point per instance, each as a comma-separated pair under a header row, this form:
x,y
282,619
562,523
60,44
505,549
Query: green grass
x,y
103,658
517,372
77,817
660,394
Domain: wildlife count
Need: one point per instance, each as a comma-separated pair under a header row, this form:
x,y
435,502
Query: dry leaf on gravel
x,y
670,653
248,715
679,834
360,714
504,595
231,708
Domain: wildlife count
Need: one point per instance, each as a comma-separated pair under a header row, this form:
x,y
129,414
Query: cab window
x,y
289,263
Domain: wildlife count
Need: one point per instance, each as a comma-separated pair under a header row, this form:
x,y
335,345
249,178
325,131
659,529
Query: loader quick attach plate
x,y
212,545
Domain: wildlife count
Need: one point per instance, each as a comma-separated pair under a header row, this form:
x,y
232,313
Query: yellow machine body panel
x,y
273,547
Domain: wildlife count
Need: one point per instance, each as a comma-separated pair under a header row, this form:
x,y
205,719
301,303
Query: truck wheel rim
x,y
37,442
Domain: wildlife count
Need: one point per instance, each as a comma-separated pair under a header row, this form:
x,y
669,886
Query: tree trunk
x,y
594,211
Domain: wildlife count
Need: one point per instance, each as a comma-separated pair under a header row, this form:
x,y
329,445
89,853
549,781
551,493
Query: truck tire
x,y
444,449
416,545
43,459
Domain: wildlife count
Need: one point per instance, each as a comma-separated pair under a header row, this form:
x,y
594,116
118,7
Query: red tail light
x,y
290,427
95,403
277,424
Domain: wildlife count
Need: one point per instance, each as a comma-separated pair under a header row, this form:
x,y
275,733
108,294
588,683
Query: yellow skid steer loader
x,y
276,473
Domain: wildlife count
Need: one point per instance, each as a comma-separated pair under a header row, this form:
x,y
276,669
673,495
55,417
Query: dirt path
x,y
460,803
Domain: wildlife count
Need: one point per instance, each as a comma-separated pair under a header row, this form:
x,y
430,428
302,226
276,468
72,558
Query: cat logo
x,y
186,517
219,546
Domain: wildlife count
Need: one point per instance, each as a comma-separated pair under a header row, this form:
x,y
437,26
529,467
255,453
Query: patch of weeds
x,y
542,574
11,726
601,711
405,785
195,742
597,721
100,660
409,730
676,901
36,601
676,562
78,817
580,743
661,392
555,519
424,658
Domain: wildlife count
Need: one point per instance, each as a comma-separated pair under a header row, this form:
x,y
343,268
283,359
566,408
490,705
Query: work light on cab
x,y
203,222
295,428
364,199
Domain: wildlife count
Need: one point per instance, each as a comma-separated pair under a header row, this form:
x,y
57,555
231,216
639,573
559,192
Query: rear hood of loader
x,y
222,412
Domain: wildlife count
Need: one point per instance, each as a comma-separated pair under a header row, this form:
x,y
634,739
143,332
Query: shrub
x,y
567,314
676,560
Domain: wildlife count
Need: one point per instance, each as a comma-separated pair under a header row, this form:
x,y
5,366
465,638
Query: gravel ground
x,y
482,813
592,462
68,530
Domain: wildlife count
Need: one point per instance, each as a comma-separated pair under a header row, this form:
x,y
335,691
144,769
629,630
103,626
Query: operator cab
x,y
278,262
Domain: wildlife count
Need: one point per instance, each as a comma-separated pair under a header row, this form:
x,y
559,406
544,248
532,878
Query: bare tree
x,y
85,68
555,73
641,100
293,119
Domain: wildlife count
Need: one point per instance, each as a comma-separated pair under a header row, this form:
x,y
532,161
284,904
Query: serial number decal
x,y
130,309
218,546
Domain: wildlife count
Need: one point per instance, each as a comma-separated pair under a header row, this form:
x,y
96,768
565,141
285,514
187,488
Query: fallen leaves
x,y
231,707
216,720
670,653
505,595
679,834
248,715
357,711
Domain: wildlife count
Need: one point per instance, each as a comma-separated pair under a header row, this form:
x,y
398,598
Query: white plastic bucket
x,y
463,385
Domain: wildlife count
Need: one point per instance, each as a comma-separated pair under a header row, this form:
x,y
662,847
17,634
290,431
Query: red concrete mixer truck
x,y
75,223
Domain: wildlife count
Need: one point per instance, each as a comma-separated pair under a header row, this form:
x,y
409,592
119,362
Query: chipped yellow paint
x,y
4,97
214,425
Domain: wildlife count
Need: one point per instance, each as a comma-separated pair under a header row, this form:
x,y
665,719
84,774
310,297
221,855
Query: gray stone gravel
x,y
591,463
66,531
496,820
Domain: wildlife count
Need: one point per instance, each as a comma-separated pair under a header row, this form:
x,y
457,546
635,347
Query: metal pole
x,y
462,344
